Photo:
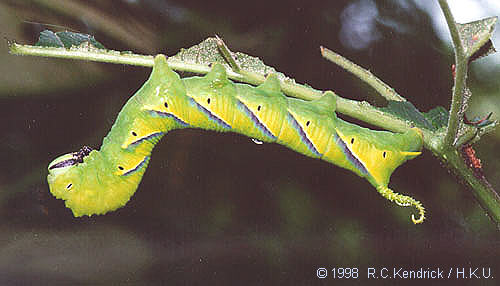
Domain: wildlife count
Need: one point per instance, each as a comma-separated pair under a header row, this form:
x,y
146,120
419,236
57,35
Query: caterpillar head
x,y
379,153
82,180
413,147
397,149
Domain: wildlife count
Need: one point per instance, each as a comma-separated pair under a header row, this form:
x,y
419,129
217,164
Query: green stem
x,y
481,189
461,65
363,111
83,53
365,75
359,110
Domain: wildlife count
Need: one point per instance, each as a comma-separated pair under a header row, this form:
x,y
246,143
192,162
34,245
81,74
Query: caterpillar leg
x,y
404,201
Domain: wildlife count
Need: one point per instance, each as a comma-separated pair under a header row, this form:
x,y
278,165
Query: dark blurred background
x,y
217,209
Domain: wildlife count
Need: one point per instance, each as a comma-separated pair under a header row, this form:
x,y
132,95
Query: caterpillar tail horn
x,y
404,201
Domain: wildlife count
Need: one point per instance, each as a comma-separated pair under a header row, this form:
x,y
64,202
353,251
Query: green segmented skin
x,y
95,182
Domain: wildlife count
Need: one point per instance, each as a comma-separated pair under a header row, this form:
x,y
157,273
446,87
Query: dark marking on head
x,y
165,104
65,163
208,100
259,107
69,186
121,168
352,140
85,150
133,133
384,154
210,65
308,122
77,158
82,153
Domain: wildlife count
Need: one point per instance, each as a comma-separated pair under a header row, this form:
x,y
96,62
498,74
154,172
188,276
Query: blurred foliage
x,y
217,208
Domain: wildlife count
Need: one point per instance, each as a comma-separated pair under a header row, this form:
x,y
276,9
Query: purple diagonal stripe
x,y
303,135
210,115
262,128
350,156
165,114
150,136
138,167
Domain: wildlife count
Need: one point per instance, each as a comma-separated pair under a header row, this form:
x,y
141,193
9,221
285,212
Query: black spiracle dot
x,y
120,167
133,133
308,122
165,104
259,107
208,101
384,154
352,140
69,186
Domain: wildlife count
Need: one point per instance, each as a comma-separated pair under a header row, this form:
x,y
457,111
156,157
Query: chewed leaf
x,y
204,53
405,110
49,39
66,40
438,117
475,37
207,52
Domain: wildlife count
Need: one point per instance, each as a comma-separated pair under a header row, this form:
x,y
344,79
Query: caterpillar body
x,y
96,182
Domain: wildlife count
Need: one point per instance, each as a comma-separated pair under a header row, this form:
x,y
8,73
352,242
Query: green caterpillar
x,y
96,182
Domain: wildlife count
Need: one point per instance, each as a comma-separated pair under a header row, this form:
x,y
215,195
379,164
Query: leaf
x,y
475,37
486,50
66,40
207,53
438,117
405,110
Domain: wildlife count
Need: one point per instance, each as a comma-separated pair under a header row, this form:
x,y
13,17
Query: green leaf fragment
x,y
486,50
475,37
405,110
438,117
488,126
207,52
66,40
49,39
